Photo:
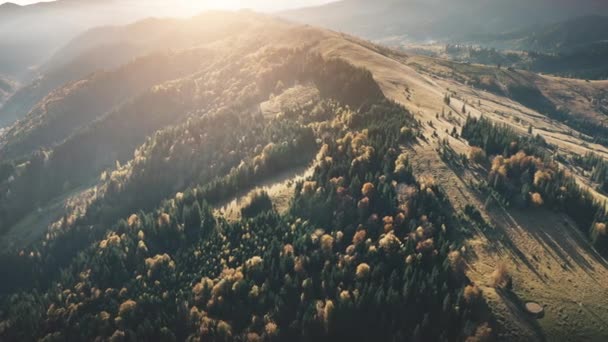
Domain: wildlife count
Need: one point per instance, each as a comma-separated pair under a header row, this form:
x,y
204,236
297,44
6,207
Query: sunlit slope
x,y
220,77
109,47
78,104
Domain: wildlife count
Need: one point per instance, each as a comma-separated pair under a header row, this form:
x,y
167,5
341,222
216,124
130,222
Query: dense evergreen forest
x,y
597,168
365,251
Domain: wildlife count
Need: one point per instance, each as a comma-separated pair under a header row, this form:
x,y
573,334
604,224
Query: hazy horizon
x,y
260,5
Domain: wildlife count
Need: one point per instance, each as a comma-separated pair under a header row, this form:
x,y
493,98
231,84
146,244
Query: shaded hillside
x,y
24,30
78,104
586,62
565,38
100,140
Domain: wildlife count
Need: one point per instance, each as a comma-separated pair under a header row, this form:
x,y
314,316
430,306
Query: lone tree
x,y
501,278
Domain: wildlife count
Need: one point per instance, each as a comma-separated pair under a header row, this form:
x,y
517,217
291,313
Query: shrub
x,y
368,189
456,262
472,294
537,199
363,271
126,307
477,155
483,333
359,237
501,277
327,243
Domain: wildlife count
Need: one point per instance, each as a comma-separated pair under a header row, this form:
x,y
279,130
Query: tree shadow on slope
x,y
560,239
501,242
516,307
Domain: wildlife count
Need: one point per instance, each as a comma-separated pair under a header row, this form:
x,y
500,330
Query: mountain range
x,y
438,19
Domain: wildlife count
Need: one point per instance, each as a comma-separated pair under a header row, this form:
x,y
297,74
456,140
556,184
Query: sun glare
x,y
260,5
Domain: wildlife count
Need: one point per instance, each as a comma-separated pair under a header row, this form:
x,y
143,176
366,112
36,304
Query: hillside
x,y
199,158
49,97
378,195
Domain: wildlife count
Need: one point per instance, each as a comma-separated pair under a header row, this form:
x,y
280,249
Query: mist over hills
x,y
564,38
24,30
574,34
107,47
440,19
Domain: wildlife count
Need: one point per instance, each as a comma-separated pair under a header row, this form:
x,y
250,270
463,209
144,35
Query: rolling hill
x,y
438,198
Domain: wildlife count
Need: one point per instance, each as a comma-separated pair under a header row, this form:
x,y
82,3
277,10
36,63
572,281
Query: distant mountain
x,y
108,47
567,36
438,19
25,30
571,37
572,48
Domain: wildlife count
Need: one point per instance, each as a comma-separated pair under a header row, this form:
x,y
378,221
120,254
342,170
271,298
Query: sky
x,y
22,2
261,5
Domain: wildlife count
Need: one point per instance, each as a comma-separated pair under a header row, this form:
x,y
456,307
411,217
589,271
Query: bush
x,y
477,155
501,278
